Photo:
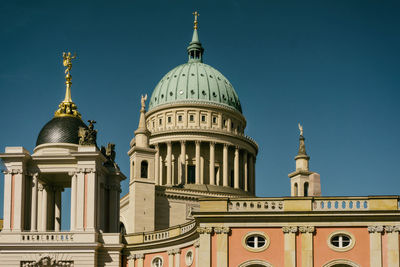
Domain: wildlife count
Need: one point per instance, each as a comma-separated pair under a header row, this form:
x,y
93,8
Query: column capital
x,y
392,228
237,147
222,230
131,257
176,251
41,187
171,252
306,229
196,244
289,229
375,229
168,143
204,230
212,143
139,256
226,145
197,142
183,142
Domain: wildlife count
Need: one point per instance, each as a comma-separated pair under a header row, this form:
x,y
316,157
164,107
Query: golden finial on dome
x,y
196,14
67,107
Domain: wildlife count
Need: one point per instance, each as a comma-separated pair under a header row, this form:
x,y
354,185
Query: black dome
x,y
61,130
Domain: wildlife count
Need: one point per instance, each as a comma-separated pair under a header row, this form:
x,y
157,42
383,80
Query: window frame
x,y
256,234
343,233
154,259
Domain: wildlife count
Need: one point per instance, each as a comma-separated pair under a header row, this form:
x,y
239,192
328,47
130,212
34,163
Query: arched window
x,y
144,167
296,190
306,189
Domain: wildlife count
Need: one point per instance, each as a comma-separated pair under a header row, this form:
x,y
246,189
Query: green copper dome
x,y
195,82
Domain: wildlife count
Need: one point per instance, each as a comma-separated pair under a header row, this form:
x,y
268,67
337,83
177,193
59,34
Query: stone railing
x,y
47,237
154,236
255,205
341,204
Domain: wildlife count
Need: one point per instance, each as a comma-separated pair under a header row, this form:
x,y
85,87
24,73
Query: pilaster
x,y
392,232
289,233
236,168
375,244
222,245
225,165
34,209
307,245
204,247
197,162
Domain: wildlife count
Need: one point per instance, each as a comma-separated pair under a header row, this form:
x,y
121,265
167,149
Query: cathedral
x,y
191,199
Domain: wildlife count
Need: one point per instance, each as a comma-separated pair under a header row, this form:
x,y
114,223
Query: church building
x,y
191,199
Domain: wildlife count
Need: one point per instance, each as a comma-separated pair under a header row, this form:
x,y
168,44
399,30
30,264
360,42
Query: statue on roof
x,y
88,136
67,61
301,129
143,102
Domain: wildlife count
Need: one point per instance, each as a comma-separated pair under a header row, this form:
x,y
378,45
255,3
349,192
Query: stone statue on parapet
x,y
110,154
143,102
88,136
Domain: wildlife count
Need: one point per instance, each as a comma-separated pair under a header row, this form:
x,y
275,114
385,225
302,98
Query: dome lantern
x,y
195,49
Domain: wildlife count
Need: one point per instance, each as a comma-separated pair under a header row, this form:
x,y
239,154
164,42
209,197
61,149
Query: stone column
x,y
8,198
170,258
205,247
307,245
139,259
160,163
375,245
80,201
289,233
57,209
182,165
177,253
73,201
212,163
169,163
34,210
91,200
43,226
245,172
251,172
392,232
17,200
236,168
225,165
222,245
197,162
156,165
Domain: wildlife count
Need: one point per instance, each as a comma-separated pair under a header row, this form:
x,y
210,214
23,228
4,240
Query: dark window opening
x,y
191,179
144,166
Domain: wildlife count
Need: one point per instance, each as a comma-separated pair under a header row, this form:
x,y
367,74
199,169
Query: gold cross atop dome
x,y
67,107
196,14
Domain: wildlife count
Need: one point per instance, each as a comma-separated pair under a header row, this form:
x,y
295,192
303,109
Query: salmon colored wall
x,y
298,249
213,250
384,250
149,257
183,255
358,254
238,254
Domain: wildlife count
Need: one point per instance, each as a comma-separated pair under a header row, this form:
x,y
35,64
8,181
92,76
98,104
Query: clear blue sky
x,y
331,65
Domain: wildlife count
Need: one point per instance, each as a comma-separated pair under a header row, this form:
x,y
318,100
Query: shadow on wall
x,y
162,212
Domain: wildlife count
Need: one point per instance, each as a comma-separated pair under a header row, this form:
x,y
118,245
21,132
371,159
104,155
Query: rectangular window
x,y
203,118
160,122
191,179
191,117
214,120
169,119
179,118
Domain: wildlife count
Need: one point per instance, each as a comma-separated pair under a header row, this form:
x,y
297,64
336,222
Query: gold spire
x,y
196,14
67,107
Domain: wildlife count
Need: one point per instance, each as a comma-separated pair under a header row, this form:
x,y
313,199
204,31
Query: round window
x,y
255,241
157,262
341,241
189,258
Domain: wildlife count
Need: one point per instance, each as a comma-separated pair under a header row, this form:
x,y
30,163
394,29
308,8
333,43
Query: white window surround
x,y
189,257
157,261
340,248
255,262
340,261
256,234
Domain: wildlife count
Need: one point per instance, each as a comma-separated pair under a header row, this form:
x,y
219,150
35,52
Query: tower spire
x,y
67,107
195,50
302,158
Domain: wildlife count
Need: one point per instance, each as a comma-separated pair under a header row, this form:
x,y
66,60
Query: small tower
x,y
142,182
303,182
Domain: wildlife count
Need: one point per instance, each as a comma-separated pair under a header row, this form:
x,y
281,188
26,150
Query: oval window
x,y
341,241
256,241
157,262
189,258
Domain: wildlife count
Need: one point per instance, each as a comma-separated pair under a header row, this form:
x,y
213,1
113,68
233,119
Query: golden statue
x,y
67,61
301,129
143,101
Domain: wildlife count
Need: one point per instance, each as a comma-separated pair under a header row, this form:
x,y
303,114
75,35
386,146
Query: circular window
x,y
189,258
255,241
341,241
157,262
